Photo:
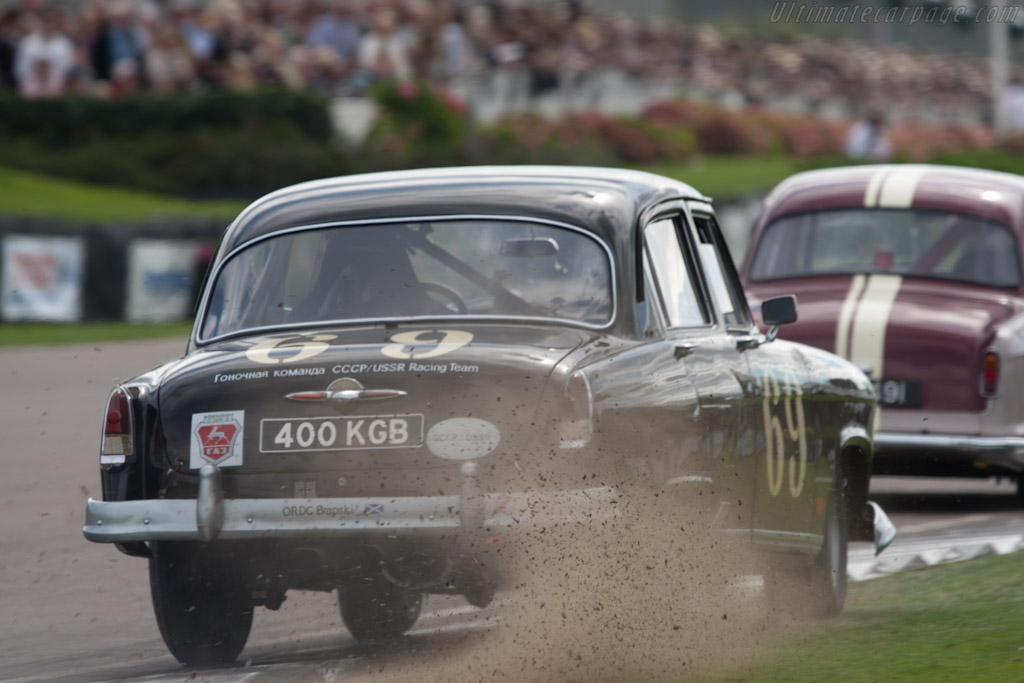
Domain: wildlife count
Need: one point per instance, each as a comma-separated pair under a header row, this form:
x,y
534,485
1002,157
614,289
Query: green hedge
x,y
209,145
204,163
242,145
1009,159
74,120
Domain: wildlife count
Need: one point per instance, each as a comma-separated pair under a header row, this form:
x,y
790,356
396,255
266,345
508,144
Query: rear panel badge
x,y
217,439
463,438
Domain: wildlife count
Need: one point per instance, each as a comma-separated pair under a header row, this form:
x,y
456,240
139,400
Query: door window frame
x,y
745,322
678,213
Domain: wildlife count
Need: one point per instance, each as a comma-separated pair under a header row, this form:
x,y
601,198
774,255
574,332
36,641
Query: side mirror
x,y
778,311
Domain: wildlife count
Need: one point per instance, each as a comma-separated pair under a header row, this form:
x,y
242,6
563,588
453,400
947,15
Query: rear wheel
x,y
204,615
374,609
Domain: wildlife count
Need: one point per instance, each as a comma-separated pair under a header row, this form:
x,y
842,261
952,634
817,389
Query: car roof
x,y
992,194
603,200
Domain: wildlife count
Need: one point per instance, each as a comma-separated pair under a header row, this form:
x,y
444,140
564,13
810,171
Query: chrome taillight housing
x,y
576,413
988,381
116,446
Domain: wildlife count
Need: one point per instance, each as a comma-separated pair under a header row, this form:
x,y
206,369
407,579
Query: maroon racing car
x,y
912,272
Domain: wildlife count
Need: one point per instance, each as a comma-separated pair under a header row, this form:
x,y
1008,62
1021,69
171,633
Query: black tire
x,y
818,591
1020,490
204,615
375,610
828,577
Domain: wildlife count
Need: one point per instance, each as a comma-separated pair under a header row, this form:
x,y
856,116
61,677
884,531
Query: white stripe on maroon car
x,y
867,347
846,315
899,187
875,182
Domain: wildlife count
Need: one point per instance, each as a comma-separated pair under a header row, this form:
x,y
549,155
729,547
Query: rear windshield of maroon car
x,y
478,267
908,242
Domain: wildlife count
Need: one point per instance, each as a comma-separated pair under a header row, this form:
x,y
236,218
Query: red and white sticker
x,y
217,439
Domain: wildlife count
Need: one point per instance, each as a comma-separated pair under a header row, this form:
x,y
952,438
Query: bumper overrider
x,y
994,451
211,517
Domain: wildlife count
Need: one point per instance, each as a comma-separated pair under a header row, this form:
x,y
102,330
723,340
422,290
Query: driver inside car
x,y
366,273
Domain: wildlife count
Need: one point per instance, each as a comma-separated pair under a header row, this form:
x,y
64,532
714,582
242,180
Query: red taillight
x,y
576,413
989,374
117,429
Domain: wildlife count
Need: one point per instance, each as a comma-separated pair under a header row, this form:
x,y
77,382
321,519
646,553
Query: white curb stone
x,y
912,555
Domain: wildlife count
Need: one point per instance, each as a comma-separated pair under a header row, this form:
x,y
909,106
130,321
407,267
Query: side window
x,y
720,273
673,275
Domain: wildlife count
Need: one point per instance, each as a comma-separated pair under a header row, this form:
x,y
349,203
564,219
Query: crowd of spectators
x,y
110,48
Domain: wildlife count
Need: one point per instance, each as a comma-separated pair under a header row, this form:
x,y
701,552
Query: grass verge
x,y
41,334
949,624
28,194
728,178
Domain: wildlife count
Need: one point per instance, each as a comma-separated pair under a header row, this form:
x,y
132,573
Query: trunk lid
x,y
467,393
920,339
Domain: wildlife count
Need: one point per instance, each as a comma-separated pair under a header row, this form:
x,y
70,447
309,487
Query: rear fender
x,y
128,481
854,471
125,481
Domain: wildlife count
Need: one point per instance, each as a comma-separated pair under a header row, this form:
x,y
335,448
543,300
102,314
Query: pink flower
x,y
406,90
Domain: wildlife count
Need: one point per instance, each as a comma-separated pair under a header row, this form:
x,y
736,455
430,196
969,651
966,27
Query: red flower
x,y
406,90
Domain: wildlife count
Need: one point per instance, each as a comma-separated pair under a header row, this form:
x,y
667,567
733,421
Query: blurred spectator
x,y
327,72
502,50
194,29
868,139
9,37
169,62
382,55
125,78
506,48
1013,106
44,59
121,42
336,29
236,29
480,31
197,29
455,58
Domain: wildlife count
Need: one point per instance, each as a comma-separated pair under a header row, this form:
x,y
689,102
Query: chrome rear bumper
x,y
211,517
1001,451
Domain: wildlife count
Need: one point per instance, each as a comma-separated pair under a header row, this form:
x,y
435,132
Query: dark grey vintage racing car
x,y
392,375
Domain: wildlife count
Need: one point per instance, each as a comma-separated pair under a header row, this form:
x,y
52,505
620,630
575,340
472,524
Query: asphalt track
x,y
77,612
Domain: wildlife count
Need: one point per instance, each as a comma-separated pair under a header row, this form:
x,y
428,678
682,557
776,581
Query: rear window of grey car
x,y
477,268
909,242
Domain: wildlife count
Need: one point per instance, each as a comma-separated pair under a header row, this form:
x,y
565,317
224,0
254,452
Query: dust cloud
x,y
653,594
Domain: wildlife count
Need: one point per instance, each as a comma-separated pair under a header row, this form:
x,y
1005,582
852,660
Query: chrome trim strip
x,y
212,280
347,395
1010,445
690,479
788,540
262,518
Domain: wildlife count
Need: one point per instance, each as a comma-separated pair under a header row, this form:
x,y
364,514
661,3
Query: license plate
x,y
898,392
343,433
